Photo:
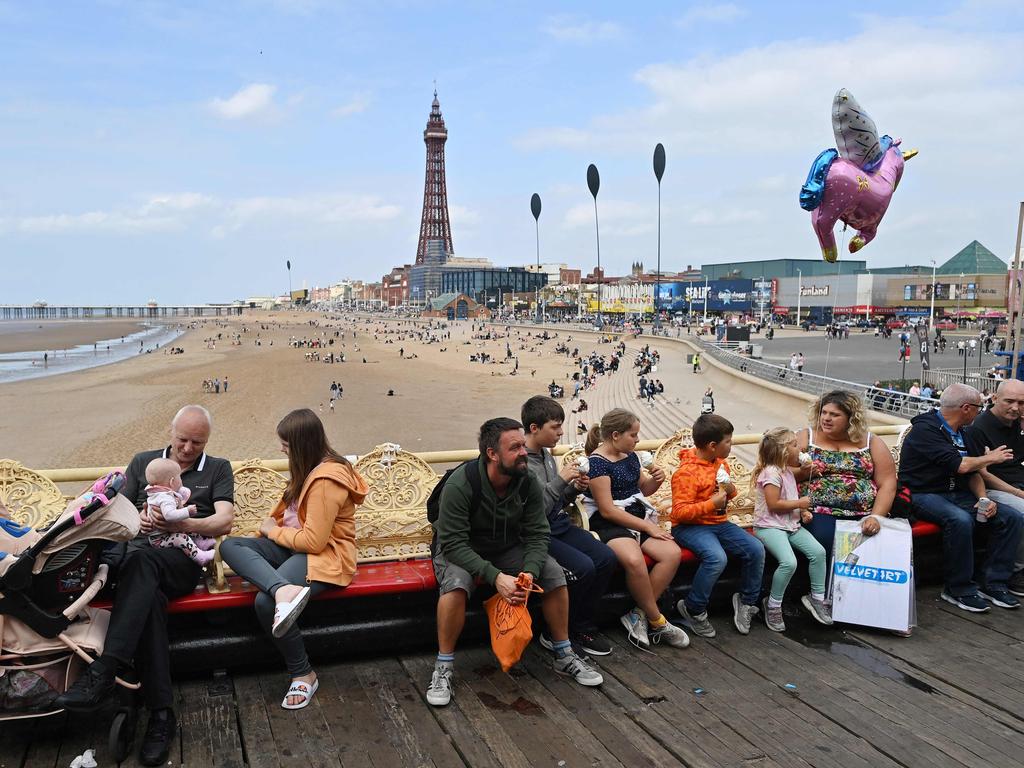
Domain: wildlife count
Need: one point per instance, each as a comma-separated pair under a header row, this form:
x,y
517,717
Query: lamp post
x,y
706,299
959,290
931,309
535,209
659,171
594,184
967,351
1013,306
799,294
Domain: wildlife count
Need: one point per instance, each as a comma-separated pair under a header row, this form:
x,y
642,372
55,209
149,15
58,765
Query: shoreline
x,y
104,415
55,335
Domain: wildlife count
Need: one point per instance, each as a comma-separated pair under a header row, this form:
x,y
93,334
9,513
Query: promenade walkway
x,y
951,695
751,407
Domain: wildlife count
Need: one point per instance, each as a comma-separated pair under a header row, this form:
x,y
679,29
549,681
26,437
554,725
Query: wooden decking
x,y
951,695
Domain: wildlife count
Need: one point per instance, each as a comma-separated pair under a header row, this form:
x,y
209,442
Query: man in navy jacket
x,y
948,489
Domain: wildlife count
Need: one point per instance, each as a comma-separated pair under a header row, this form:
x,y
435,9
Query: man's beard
x,y
519,468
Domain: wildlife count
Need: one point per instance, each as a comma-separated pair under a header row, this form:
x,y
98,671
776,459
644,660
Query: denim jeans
x,y
954,512
1016,503
589,565
712,544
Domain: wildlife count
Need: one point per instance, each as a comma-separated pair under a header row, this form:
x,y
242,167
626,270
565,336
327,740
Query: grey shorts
x,y
451,577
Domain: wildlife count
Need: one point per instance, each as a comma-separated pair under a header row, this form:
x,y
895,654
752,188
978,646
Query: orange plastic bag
x,y
511,625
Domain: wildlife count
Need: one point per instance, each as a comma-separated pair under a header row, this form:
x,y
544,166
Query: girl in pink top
x,y
778,512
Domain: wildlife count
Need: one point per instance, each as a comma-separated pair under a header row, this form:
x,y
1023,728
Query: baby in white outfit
x,y
165,492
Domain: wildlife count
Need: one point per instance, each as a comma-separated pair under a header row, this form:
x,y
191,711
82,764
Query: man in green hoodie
x,y
504,535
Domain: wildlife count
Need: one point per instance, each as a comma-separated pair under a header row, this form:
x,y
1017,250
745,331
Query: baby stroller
x,y
48,632
707,404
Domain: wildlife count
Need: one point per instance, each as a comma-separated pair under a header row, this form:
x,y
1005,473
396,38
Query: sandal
x,y
285,614
299,688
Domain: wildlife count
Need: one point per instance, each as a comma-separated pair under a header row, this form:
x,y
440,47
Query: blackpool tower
x,y
435,243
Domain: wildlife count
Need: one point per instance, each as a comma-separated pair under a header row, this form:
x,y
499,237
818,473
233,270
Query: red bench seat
x,y
374,579
371,579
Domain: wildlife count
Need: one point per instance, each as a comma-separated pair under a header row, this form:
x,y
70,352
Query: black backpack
x,y
473,475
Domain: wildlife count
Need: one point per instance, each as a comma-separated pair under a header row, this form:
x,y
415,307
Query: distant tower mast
x,y
434,224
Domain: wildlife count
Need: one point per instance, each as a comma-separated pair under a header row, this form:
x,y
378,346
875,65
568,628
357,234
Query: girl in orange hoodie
x,y
305,546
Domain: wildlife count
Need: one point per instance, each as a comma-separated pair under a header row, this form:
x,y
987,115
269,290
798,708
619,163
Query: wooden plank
x,y
15,739
599,719
254,723
882,731
353,722
209,725
683,714
745,702
300,735
885,686
410,725
522,715
470,725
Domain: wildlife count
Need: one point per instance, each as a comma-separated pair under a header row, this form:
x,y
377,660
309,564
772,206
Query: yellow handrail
x,y
84,474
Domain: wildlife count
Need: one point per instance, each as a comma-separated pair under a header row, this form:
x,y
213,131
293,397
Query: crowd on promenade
x,y
504,522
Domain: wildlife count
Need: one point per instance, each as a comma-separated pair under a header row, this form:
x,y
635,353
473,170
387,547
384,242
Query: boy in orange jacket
x,y
701,489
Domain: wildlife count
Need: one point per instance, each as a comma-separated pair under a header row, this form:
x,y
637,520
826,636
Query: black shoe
x,y
591,642
91,691
160,734
1016,585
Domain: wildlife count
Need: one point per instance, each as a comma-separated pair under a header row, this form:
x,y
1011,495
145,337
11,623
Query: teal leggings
x,y
780,544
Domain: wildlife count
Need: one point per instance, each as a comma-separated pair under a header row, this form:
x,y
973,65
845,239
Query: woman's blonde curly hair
x,y
848,403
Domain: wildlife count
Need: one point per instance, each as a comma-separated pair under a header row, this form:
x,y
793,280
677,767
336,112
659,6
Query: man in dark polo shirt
x,y
149,576
1001,425
947,489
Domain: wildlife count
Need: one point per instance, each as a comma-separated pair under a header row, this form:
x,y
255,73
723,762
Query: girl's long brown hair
x,y
307,447
616,420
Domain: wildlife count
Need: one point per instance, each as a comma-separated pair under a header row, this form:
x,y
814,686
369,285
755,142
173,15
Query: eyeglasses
x,y
975,405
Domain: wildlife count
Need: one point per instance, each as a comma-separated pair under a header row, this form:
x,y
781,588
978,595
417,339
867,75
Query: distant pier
x,y
143,311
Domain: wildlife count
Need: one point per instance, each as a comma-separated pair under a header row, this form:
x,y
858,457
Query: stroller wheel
x,y
122,734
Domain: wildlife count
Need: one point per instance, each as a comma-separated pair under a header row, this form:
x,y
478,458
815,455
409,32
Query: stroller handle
x,y
99,580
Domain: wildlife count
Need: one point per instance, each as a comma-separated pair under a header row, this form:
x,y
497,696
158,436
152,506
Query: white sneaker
x,y
581,672
742,614
669,634
635,623
440,691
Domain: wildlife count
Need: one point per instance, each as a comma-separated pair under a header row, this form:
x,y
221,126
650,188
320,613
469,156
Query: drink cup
x,y
984,507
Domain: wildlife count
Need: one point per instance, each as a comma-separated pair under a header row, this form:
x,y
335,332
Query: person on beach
x,y
492,528
701,490
305,546
587,562
165,492
147,577
778,512
623,519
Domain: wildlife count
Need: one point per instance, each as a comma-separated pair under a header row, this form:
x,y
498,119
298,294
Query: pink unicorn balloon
x,y
855,183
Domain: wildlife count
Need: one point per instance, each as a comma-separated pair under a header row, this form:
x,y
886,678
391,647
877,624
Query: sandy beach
x,y
104,415
32,335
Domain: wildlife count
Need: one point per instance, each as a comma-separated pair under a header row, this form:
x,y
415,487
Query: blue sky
x,y
183,151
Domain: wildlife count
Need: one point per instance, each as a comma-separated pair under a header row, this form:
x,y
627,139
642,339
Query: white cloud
x,y
181,211
251,101
775,99
354,106
574,29
462,216
619,218
720,13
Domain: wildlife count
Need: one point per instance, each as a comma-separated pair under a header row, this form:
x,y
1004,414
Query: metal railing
x,y
434,458
883,400
940,378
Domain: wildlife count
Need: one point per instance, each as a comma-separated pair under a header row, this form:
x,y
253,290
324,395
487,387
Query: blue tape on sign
x,y
869,573
13,528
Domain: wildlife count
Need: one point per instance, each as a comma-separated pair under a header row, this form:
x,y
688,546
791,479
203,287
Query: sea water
x,y
17,366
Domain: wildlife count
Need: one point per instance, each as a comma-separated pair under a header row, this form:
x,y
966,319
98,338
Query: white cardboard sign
x,y
872,577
